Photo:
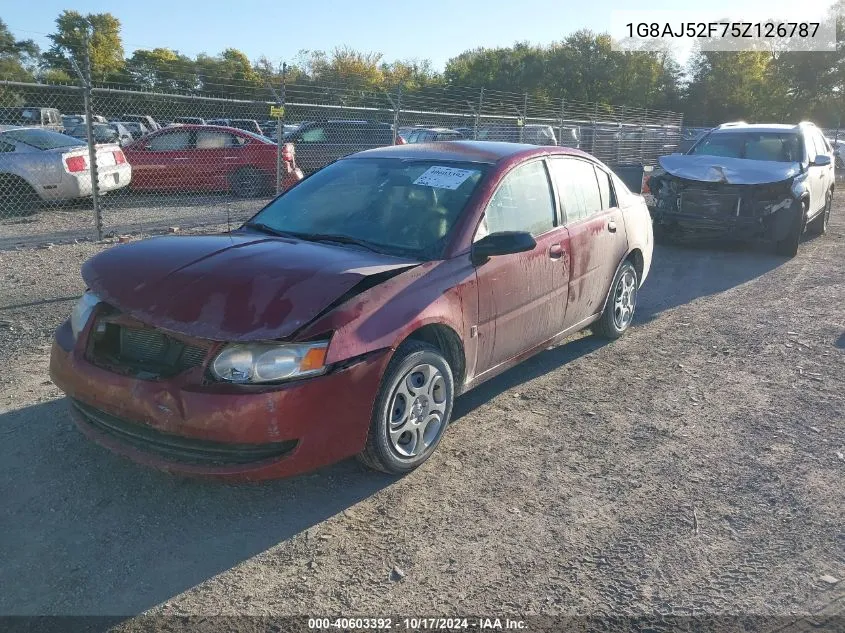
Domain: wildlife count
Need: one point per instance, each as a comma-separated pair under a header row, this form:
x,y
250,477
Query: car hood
x,y
235,287
734,171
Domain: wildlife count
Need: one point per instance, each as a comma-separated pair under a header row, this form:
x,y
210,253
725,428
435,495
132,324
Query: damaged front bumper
x,y
692,208
191,427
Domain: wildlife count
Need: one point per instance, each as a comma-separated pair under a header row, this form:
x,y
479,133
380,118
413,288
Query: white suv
x,y
756,181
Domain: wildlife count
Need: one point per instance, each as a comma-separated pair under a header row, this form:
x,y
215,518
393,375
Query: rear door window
x,y
577,187
214,139
608,199
314,135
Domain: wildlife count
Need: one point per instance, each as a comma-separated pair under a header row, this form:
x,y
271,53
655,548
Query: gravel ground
x,y
693,467
125,213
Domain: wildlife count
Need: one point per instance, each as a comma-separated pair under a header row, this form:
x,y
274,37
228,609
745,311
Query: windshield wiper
x,y
340,239
314,237
266,228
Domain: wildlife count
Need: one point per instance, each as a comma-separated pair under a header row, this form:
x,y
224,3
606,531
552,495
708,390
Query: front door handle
x,y
611,226
555,251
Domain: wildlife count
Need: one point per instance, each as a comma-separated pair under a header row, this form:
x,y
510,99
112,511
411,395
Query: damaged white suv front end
x,y
748,182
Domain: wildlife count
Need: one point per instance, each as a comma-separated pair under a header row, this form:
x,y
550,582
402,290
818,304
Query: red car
x,y
346,316
203,158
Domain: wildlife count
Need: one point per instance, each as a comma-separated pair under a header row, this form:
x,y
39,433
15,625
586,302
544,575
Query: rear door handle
x,y
555,251
611,226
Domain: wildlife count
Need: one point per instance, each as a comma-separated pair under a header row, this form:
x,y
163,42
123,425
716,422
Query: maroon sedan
x,y
346,316
203,158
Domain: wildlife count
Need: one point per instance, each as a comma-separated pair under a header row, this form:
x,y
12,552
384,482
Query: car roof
x,y
758,127
471,151
434,129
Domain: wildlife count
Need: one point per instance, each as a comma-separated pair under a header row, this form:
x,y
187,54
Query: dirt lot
x,y
693,467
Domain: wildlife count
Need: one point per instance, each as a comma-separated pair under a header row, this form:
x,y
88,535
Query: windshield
x,y
399,207
782,147
42,139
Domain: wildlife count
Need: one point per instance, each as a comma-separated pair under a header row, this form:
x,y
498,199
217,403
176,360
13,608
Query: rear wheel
x,y
248,183
819,225
788,246
17,197
412,409
621,304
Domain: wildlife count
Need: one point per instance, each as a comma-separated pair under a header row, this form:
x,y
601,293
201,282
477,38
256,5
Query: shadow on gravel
x,y
539,365
113,538
840,342
681,274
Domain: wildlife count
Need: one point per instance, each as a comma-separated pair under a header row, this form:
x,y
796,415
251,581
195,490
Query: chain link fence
x,y
167,161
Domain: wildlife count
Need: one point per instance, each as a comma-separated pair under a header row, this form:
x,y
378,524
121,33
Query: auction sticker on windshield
x,y
444,177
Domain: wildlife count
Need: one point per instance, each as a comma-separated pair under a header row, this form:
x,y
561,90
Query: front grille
x,y
178,447
142,352
710,203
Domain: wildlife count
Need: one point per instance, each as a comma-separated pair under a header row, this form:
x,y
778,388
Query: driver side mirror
x,y
501,243
822,160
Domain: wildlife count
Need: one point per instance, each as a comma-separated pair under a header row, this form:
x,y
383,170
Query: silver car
x,y
37,164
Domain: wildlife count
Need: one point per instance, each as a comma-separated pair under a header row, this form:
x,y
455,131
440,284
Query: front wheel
x,y
619,311
819,224
788,246
412,410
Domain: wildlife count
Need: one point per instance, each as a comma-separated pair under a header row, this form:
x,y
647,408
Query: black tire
x,y
615,321
788,246
381,452
248,183
17,197
818,226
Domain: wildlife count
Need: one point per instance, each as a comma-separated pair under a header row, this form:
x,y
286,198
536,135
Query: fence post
x,y
478,114
595,131
621,140
560,127
85,78
642,143
524,117
280,128
396,108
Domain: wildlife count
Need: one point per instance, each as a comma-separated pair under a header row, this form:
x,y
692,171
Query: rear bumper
x,y
79,185
220,431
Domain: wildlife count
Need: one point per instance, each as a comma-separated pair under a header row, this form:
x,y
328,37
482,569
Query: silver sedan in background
x,y
38,165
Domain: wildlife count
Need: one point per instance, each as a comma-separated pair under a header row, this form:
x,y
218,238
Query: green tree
x,y
17,57
229,74
727,86
161,70
105,46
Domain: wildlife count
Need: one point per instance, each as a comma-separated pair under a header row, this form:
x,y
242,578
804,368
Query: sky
x,y
423,29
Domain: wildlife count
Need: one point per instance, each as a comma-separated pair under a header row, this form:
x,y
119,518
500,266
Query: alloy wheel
x,y
417,411
625,299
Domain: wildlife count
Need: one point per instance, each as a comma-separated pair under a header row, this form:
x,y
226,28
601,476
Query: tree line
x,y
711,87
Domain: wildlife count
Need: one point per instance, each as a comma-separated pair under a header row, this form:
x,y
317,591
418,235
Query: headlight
x,y
269,362
82,312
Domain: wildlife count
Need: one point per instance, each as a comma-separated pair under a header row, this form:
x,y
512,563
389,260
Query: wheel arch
x,y
448,341
12,177
635,256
